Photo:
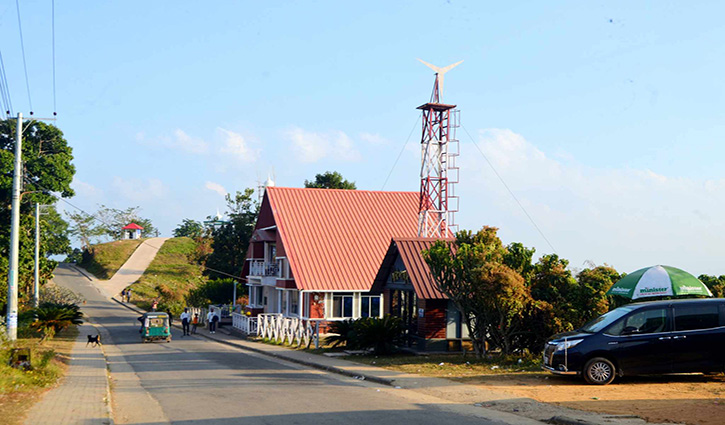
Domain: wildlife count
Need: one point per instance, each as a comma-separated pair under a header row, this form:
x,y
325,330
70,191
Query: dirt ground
x,y
691,399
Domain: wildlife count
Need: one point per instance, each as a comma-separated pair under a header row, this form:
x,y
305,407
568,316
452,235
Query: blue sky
x,y
605,119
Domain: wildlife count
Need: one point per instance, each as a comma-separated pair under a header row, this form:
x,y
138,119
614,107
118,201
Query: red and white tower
x,y
438,170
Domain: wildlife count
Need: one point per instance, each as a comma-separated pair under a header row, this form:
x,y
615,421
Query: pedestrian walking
x,y
185,321
128,295
123,296
154,304
212,318
194,323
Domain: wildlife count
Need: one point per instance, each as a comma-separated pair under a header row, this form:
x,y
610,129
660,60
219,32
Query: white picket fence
x,y
289,330
244,323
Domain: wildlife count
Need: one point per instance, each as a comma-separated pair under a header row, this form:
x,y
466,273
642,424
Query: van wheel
x,y
599,371
168,339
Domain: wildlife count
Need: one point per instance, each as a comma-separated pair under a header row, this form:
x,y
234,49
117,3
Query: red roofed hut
x,y
131,231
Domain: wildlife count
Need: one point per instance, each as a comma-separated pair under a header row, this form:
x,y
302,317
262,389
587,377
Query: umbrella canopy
x,y
659,281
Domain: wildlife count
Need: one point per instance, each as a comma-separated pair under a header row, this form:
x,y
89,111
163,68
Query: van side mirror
x,y
629,330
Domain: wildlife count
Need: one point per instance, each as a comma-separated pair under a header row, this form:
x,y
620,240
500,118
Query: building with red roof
x,y
316,254
131,231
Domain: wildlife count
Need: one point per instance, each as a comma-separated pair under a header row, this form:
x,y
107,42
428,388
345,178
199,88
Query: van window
x,y
643,322
691,317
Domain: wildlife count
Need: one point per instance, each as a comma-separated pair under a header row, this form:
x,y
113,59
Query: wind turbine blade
x,y
433,67
449,67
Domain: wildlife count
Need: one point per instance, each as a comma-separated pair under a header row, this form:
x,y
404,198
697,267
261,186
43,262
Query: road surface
x,y
193,380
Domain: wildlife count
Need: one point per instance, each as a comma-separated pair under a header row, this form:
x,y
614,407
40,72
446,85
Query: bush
x,y
217,291
52,317
382,335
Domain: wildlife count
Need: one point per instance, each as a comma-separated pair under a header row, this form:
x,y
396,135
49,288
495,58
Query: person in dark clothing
x,y
185,321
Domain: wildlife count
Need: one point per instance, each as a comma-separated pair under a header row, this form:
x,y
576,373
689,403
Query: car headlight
x,y
567,344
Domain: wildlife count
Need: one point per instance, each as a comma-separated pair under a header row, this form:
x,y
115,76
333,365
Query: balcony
x,y
264,269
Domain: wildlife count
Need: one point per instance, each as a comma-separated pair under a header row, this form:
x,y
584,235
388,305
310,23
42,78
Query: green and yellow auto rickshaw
x,y
155,326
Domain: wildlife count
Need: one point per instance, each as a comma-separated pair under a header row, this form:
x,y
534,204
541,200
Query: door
x,y
697,341
641,341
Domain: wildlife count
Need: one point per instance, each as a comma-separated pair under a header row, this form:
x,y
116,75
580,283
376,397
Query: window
x,y
294,302
643,322
283,295
258,298
342,306
370,306
692,317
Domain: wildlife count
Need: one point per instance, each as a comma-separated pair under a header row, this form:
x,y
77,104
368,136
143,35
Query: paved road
x,y
196,381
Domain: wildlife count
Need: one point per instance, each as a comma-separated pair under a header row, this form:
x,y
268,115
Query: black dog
x,y
95,340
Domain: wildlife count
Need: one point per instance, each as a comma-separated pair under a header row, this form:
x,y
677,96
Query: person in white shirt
x,y
185,321
212,318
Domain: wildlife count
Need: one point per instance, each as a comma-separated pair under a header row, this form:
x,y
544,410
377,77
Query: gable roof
x,y
132,226
335,239
409,250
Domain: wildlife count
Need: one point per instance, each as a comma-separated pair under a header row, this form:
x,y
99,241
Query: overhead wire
x,y
509,190
25,64
401,152
52,13
4,90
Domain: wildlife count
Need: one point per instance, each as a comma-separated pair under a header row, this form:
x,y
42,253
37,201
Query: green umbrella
x,y
659,281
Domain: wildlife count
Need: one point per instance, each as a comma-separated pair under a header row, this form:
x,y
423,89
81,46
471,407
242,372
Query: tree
x,y
85,228
716,285
111,221
490,295
189,228
231,239
48,173
330,180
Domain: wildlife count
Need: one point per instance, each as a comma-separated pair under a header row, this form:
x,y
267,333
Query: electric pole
x,y
36,274
12,311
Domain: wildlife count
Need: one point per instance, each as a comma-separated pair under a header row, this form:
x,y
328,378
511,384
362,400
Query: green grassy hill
x,y
104,260
169,277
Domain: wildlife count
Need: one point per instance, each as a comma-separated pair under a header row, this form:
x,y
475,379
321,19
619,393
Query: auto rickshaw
x,y
155,326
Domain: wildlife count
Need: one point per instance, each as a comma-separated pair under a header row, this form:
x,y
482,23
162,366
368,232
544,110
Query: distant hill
x,y
104,260
169,277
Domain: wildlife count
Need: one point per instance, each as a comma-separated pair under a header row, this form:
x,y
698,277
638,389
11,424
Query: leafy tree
x,y
716,285
552,283
217,291
330,180
111,221
592,300
231,239
189,228
48,172
85,227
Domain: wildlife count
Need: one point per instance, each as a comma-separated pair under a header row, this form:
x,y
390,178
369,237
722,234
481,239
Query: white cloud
x,y
627,217
86,190
216,187
178,141
236,145
138,190
312,146
374,139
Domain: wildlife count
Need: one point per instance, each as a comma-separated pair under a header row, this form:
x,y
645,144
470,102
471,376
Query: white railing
x,y
262,268
244,323
288,330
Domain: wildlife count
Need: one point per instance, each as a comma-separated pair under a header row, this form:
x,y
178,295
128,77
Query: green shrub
x,y
217,291
344,334
52,317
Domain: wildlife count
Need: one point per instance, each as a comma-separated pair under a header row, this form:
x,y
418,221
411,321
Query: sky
x,y
590,129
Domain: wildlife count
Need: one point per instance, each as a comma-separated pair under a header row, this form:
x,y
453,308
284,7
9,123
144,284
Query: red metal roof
x,y
418,271
133,226
336,239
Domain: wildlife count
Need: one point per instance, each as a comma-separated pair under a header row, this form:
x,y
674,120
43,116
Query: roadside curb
x,y
109,399
81,271
333,369
564,420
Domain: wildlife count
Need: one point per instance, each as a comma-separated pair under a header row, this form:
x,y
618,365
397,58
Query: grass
x,y
105,259
453,365
20,389
170,275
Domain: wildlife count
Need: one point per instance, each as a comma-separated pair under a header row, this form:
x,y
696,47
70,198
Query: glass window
x,y
370,306
294,297
259,301
643,322
342,306
691,317
606,319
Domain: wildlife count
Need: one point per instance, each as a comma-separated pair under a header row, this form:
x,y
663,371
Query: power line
x,y
4,90
401,152
509,190
55,110
25,65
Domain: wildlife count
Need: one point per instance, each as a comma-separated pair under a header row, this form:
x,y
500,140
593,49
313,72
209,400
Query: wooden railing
x,y
244,323
289,330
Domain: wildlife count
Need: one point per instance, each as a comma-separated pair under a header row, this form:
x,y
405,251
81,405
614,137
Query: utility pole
x,y
36,274
12,311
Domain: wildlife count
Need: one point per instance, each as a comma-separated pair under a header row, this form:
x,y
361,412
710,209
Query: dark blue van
x,y
673,336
